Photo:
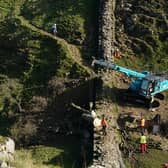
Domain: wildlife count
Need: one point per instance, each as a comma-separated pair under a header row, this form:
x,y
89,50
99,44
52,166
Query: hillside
x,y
41,75
37,67
32,55
142,32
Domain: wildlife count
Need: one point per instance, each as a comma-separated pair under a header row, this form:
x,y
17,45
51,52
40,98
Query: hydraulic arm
x,y
115,67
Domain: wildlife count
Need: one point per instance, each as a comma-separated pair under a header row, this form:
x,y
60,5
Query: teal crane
x,y
145,85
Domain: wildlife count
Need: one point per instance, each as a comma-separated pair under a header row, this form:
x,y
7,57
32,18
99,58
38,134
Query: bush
x,y
10,97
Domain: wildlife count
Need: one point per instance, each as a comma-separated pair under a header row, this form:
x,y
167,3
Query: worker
x,y
143,143
54,29
116,53
142,124
104,125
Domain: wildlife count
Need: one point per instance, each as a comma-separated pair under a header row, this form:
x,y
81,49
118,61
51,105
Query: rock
x,y
4,165
7,149
10,146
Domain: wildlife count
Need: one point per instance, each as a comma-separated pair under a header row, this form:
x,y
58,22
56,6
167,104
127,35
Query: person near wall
x,y
104,124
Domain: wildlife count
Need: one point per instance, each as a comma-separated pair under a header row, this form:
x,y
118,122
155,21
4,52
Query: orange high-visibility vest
x,y
142,122
103,122
116,54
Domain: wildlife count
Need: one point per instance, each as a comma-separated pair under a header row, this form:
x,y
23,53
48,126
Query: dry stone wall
x,y
106,148
106,153
106,29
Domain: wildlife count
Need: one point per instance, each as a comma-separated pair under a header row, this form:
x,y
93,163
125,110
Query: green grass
x,y
2,140
31,58
38,157
74,18
63,152
149,33
6,8
45,58
154,158
31,61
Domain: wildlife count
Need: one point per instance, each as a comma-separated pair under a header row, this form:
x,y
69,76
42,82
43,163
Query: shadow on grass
x,y
120,97
71,155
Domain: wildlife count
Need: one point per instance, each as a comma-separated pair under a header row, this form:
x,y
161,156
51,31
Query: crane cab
x,y
150,86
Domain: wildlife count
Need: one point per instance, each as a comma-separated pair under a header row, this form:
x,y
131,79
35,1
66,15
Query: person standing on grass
x,y
143,143
104,125
54,29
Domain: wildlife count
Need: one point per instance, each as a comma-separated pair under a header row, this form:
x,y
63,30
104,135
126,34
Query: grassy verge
x,y
154,158
38,157
70,16
63,152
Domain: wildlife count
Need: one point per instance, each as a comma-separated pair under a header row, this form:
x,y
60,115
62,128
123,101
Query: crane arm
x,y
115,67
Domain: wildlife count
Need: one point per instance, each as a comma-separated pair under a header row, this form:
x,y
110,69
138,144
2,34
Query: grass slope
x,y
30,57
62,153
72,17
145,27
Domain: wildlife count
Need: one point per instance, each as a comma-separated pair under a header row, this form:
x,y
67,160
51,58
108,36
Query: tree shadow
x,y
64,127
70,155
118,96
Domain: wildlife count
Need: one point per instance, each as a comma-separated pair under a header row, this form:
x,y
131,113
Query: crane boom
x,y
115,67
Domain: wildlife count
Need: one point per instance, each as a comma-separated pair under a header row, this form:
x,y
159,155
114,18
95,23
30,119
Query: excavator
x,y
145,86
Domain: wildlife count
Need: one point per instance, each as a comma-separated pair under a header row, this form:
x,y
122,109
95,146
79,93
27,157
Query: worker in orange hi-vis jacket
x,y
142,124
104,125
116,53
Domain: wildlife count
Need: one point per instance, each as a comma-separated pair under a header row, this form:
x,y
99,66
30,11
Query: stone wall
x,y
106,152
106,29
106,149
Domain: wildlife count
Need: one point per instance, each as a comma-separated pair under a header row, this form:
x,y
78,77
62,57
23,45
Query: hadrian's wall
x,y
106,37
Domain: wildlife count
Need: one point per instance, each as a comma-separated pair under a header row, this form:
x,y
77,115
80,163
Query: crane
x,y
144,87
